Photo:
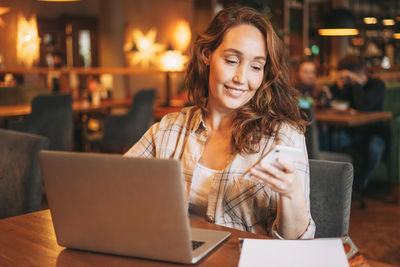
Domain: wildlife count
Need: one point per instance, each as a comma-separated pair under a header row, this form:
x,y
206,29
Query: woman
x,y
306,83
244,106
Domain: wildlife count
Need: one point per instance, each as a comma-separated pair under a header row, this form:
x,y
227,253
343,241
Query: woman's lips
x,y
235,91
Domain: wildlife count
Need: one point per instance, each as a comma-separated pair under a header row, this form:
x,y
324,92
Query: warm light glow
x,y
27,40
147,48
307,51
357,41
370,20
59,0
182,35
337,32
388,22
3,10
107,81
396,35
172,61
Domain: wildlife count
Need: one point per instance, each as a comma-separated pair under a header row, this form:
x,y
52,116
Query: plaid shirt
x,y
234,200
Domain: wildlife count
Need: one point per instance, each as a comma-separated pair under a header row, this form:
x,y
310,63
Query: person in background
x,y
55,79
365,94
313,95
306,83
244,105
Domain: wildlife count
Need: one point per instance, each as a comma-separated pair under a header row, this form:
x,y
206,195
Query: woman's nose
x,y
240,74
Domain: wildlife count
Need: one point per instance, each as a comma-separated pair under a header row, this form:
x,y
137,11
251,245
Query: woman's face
x,y
307,73
236,68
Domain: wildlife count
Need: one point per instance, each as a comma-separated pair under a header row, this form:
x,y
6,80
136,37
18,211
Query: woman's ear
x,y
206,57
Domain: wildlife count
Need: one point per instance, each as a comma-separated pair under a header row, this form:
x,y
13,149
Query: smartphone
x,y
283,152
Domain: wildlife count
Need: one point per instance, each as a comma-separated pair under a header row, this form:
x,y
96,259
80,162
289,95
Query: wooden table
x,y
29,240
349,118
80,106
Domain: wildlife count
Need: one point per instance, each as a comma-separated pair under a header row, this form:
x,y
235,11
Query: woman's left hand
x,y
284,181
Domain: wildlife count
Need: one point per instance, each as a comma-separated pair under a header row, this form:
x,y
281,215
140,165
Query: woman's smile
x,y
235,92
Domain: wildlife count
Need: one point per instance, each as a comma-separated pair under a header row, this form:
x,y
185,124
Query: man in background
x,y
365,94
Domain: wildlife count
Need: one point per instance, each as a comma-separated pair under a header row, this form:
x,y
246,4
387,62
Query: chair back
x,y
312,142
330,197
311,135
126,130
20,176
52,116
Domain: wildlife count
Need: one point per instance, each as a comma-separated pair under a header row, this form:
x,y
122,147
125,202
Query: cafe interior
x,y
91,76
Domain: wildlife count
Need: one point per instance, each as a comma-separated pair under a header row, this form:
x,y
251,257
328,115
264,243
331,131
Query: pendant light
x,y
396,31
339,22
58,0
370,18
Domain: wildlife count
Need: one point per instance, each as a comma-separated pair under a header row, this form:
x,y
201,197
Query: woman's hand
x,y
284,181
292,216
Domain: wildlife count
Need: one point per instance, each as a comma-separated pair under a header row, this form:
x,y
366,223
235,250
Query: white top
x,y
201,183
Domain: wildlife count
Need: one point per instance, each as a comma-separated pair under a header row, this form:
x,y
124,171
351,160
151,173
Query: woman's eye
x,y
231,61
256,68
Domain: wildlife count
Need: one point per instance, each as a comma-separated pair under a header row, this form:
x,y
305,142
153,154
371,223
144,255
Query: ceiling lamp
x,y
396,32
370,20
339,22
59,0
369,17
388,22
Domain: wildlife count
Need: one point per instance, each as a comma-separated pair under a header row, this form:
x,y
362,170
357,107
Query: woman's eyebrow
x,y
235,51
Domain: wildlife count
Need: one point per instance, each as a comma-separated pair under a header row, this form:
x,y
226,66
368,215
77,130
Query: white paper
x,y
325,252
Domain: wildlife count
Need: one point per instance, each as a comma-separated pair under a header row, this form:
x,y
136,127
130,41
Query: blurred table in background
x,y
349,118
81,106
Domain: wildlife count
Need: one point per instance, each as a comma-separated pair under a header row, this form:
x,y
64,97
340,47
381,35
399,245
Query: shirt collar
x,y
199,125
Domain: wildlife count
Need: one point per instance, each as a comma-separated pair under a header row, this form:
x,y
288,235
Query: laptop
x,y
126,206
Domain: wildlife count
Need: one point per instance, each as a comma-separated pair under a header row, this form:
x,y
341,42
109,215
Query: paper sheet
x,y
325,252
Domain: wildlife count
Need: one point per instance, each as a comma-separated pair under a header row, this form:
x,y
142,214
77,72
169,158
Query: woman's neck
x,y
217,118
218,121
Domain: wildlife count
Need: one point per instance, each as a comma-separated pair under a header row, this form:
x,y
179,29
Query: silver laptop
x,y
120,205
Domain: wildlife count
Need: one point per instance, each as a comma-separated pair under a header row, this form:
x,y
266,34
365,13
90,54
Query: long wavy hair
x,y
274,102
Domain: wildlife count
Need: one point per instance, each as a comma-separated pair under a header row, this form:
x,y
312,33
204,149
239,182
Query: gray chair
x,y
330,197
312,142
51,116
123,131
20,176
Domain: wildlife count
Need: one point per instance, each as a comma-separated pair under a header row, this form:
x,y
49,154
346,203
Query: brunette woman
x,y
244,105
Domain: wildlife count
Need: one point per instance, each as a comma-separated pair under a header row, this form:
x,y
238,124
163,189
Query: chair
x,y
330,197
312,143
20,176
123,131
51,116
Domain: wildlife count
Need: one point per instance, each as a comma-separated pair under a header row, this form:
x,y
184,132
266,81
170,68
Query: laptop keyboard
x,y
196,244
